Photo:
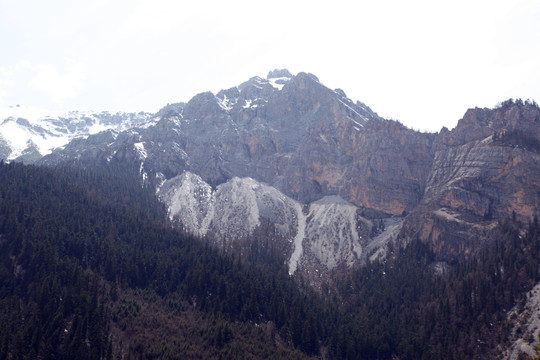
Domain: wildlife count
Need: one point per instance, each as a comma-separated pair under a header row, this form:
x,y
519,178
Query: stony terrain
x,y
526,319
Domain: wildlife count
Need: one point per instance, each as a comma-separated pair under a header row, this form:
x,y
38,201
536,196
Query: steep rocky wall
x,y
478,176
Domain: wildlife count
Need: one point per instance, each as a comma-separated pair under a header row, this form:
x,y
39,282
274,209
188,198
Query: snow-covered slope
x,y
27,134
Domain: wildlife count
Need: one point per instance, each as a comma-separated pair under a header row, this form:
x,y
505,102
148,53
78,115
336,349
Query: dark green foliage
x,y
518,138
511,102
50,307
403,309
157,331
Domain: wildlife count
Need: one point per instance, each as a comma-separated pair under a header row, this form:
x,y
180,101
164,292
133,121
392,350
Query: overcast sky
x,y
421,62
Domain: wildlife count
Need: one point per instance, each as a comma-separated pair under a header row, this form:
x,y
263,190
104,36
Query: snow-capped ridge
x,y
37,131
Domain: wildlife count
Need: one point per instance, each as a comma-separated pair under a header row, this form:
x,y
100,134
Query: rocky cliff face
x,y
486,169
290,132
336,182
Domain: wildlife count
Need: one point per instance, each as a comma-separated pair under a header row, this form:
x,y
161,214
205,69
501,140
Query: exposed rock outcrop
x,y
486,169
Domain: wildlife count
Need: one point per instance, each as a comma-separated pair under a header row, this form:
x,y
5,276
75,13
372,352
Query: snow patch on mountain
x,y
279,82
139,147
21,135
31,114
356,113
248,104
225,103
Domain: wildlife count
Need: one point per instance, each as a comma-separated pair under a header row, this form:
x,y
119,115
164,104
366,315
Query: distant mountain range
x,y
27,134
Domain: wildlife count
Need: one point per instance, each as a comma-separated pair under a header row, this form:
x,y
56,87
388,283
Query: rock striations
x,y
486,169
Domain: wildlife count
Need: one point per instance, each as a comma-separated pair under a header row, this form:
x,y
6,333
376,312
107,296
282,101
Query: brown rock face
x,y
486,169
308,141
381,166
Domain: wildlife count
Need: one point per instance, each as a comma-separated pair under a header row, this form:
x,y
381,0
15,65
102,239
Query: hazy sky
x,y
421,62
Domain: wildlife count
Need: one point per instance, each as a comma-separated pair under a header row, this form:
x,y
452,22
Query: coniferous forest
x,y
90,269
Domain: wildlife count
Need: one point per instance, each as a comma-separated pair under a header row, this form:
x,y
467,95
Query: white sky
x,y
421,62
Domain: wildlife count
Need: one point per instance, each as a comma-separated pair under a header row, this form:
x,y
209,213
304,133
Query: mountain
x,y
27,134
290,133
242,207
407,238
310,144
89,269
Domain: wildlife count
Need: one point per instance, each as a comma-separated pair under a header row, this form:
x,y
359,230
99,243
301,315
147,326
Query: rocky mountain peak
x,y
201,105
256,88
171,109
279,73
303,76
510,115
27,134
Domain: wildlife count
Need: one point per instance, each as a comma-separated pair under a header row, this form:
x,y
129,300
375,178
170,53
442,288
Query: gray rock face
x,y
326,181
323,235
308,143
335,232
279,73
525,327
381,166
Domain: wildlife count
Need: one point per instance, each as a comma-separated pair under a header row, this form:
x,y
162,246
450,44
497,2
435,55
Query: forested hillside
x,y
89,269
409,307
79,259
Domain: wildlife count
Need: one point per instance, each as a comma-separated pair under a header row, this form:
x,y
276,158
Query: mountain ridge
x,y
27,134
309,142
